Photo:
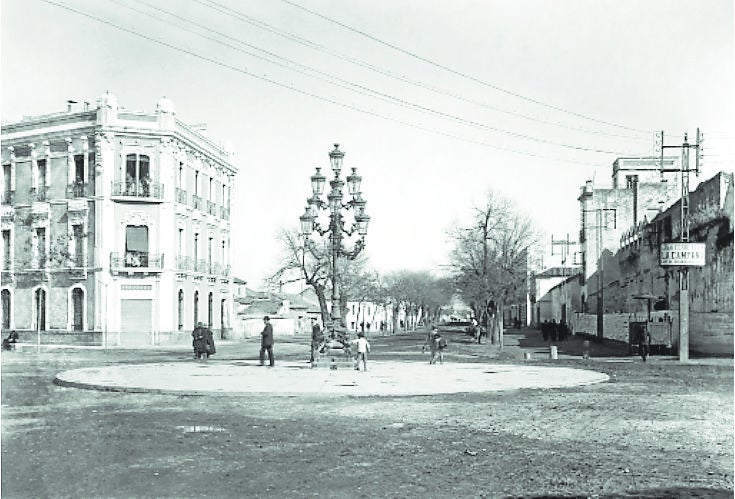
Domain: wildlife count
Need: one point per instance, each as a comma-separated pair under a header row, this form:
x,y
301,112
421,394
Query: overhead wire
x,y
322,48
460,73
339,82
307,93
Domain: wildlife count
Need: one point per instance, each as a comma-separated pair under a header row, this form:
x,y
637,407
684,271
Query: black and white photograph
x,y
356,249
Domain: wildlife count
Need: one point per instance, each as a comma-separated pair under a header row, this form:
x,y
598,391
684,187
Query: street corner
x,y
243,378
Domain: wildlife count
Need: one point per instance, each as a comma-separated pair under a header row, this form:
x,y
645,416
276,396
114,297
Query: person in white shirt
x,y
363,347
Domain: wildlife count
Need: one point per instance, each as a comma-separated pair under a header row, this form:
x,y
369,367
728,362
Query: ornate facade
x,y
116,227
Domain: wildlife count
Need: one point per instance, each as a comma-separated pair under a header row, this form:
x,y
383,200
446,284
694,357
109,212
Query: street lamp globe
x,y
335,158
307,222
317,182
353,182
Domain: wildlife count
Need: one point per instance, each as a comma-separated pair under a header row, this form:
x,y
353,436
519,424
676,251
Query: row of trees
x,y
420,293
488,268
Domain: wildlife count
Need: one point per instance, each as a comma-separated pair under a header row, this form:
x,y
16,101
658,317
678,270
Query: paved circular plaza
x,y
290,378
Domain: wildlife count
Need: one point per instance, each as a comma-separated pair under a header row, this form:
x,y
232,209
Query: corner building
x,y
116,227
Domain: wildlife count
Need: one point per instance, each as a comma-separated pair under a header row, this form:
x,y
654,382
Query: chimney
x,y
68,105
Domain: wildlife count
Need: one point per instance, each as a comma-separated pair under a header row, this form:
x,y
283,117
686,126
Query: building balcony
x,y
8,197
181,196
136,261
79,190
8,276
138,191
39,193
196,202
8,214
201,266
211,208
184,263
224,213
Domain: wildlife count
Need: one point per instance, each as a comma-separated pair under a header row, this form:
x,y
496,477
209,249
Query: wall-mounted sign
x,y
689,254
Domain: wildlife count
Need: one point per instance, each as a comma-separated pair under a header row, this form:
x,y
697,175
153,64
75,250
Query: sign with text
x,y
687,254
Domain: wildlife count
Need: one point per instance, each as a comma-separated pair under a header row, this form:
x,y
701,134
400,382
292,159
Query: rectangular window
x,y
196,182
42,173
180,244
78,235
79,168
136,246
137,175
631,181
180,178
209,251
196,247
7,184
6,250
211,189
40,247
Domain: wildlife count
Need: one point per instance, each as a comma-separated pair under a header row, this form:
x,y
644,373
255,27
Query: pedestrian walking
x,y
363,347
266,342
545,330
316,338
644,343
209,348
199,343
436,344
554,330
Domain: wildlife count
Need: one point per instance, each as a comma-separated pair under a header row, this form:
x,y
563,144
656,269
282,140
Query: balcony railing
x,y
131,260
224,212
78,190
8,197
39,193
138,189
201,266
181,196
211,208
183,263
196,202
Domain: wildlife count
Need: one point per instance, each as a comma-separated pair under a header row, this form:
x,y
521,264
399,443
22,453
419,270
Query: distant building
x,y
639,192
114,221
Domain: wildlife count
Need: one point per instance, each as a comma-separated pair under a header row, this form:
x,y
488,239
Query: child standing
x,y
363,347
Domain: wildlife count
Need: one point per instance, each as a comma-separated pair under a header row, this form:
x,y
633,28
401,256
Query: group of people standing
x,y
203,342
553,331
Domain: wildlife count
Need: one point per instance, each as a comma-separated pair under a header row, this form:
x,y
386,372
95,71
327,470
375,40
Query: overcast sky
x,y
435,102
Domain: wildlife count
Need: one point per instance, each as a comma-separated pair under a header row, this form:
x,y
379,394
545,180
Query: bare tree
x,y
490,259
312,263
419,293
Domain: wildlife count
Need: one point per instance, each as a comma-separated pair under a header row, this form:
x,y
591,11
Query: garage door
x,y
135,321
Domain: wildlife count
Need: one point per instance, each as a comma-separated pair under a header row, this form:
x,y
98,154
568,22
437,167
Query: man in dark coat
x,y
209,342
199,343
266,342
316,337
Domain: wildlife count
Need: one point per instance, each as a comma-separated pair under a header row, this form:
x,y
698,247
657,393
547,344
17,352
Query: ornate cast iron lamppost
x,y
337,210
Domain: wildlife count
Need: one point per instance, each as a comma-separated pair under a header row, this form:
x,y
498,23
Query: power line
x,y
310,94
459,73
332,80
321,48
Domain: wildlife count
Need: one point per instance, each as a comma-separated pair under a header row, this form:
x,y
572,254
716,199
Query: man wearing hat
x,y
266,342
316,337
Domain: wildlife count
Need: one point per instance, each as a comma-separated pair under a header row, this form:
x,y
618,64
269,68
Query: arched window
x,y
209,309
181,309
77,298
196,308
6,309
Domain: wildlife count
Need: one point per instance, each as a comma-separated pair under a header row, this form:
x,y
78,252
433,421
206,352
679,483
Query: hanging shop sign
x,y
685,254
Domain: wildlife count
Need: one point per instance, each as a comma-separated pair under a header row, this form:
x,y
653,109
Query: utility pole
x,y
601,223
565,244
684,235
